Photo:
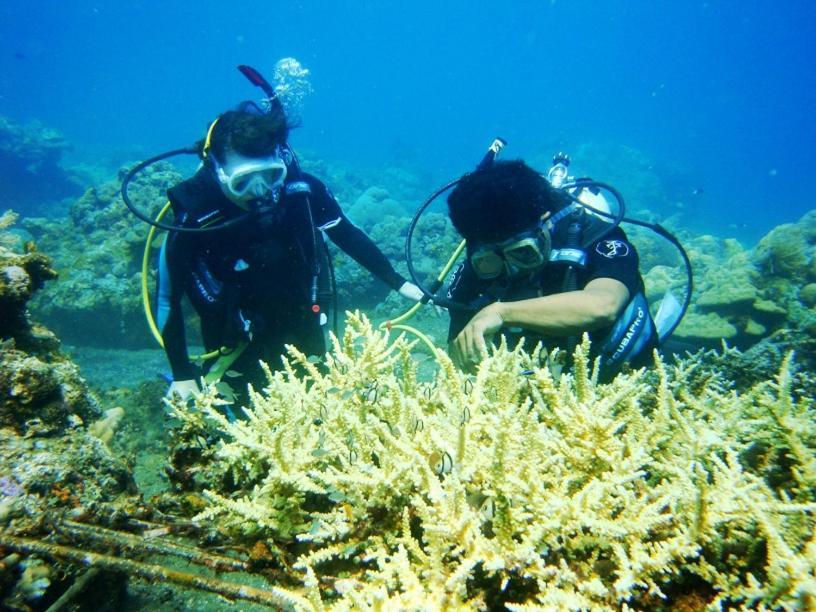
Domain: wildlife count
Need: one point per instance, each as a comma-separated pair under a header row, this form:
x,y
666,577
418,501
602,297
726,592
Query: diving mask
x,y
522,252
243,179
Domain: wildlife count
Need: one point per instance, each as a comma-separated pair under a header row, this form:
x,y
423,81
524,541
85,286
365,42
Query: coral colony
x,y
517,486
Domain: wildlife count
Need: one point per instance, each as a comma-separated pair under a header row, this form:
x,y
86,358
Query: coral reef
x,y
433,243
21,274
787,251
97,252
49,460
404,185
40,389
374,205
30,169
517,486
42,393
74,471
742,296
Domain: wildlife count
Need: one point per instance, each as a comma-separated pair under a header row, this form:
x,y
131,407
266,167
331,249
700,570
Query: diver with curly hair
x,y
527,278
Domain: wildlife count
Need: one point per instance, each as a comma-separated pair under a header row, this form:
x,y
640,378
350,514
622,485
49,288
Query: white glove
x,y
183,388
411,291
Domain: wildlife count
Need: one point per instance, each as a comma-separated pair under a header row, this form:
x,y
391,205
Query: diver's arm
x,y
463,290
173,336
330,218
175,345
563,314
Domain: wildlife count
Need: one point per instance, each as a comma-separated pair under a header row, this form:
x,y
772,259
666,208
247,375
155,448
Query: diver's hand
x,y
470,346
183,388
411,291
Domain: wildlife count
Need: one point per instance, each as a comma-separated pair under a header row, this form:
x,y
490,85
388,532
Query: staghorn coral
x,y
516,487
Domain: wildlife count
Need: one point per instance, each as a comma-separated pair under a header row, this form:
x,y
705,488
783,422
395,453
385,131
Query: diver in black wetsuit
x,y
529,272
254,283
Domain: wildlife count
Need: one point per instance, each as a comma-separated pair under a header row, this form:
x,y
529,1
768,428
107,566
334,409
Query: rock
x,y
708,329
807,295
784,252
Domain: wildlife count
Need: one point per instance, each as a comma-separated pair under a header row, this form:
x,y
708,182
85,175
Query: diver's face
x,y
521,253
244,180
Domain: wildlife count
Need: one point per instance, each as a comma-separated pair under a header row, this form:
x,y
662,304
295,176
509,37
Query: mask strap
x,y
205,151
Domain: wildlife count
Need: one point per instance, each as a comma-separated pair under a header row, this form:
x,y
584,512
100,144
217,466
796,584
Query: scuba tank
x,y
594,207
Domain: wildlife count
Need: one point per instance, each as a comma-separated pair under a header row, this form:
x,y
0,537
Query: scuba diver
x,y
539,267
247,248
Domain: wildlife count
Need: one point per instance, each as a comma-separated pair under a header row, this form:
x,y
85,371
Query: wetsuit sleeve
x,y
462,290
615,257
330,218
178,254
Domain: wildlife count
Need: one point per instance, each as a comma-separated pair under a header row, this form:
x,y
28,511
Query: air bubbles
x,y
291,80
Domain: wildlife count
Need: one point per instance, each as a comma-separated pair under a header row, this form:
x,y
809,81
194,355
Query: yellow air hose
x,y
396,323
151,322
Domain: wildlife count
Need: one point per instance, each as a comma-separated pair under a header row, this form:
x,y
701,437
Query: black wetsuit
x,y
633,334
254,280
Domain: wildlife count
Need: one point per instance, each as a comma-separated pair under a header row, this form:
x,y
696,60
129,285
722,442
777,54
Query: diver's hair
x,y
250,134
494,203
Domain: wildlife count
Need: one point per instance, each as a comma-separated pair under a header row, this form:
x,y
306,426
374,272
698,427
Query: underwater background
x,y
718,95
701,113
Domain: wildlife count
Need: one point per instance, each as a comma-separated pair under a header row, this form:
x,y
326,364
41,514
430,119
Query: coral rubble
x,y
50,461
518,486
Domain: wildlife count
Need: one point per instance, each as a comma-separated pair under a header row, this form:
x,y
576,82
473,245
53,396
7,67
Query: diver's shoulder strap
x,y
197,201
296,187
577,257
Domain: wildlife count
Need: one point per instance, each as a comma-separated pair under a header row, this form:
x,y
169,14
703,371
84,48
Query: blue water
x,y
719,95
